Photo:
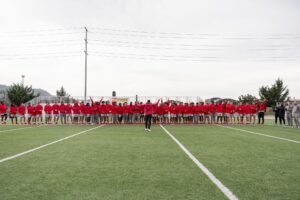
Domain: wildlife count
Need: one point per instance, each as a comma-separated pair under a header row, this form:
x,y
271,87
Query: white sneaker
x,y
149,130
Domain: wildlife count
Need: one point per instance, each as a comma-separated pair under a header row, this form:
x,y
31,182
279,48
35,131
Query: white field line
x,y
45,145
14,129
210,175
261,134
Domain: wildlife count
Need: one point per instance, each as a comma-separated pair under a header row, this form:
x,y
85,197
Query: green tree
x,y
276,93
248,98
18,93
62,92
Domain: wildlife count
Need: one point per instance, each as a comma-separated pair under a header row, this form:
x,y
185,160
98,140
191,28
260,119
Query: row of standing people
x,y
289,111
117,113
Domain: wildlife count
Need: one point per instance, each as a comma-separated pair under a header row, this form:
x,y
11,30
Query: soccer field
x,y
125,162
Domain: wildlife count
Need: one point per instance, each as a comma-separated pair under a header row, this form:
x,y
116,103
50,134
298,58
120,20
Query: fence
x,y
118,99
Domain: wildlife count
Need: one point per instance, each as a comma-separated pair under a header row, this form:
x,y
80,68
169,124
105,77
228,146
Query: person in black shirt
x,y
281,114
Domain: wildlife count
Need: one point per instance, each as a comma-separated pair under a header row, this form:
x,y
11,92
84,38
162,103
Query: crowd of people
x,y
105,112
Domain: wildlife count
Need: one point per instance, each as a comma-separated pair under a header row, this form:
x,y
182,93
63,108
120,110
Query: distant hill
x,y
42,92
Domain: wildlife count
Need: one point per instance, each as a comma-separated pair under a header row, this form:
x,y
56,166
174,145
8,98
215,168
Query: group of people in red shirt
x,y
105,112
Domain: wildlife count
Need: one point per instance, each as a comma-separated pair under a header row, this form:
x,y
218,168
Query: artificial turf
x,y
125,162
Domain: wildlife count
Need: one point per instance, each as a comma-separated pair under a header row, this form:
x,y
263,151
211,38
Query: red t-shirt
x,y
31,110
69,109
247,109
13,110
3,108
206,109
38,109
21,110
240,109
82,108
62,109
253,109
212,108
261,107
148,109
48,109
76,109
55,109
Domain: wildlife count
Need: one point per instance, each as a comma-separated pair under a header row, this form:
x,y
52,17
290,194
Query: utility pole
x,y
23,76
85,66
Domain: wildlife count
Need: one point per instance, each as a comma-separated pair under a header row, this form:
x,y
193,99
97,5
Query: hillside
x,y
42,92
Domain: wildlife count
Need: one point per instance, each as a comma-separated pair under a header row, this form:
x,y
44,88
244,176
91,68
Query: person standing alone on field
x,y
148,111
261,111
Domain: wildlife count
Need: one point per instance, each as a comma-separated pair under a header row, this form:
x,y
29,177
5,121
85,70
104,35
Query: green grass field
x,y
125,162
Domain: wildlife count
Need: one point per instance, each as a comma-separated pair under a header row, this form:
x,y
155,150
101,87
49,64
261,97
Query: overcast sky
x,y
152,47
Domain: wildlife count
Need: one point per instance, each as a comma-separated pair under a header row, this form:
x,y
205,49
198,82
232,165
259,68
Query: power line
x,y
164,35
39,57
189,34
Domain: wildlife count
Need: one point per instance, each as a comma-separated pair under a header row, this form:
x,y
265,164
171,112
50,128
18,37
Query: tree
x,y
248,98
18,93
276,93
62,92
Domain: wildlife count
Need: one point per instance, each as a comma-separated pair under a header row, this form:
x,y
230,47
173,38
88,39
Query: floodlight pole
x,y
23,76
85,66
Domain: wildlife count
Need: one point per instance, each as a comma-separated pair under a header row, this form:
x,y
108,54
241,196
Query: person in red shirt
x,y
160,114
114,109
253,113
108,109
39,113
241,111
191,112
219,111
261,111
94,112
125,113
30,113
119,110
233,110
48,113
13,114
185,113
206,110
247,110
21,111
212,110
76,113
154,115
165,112
136,112
227,112
87,113
148,111
62,113
69,119
173,112
142,116
82,115
130,113
235,113
201,112
3,114
55,110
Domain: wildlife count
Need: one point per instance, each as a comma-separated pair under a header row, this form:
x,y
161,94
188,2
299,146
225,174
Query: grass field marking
x,y
210,175
15,129
45,145
261,134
